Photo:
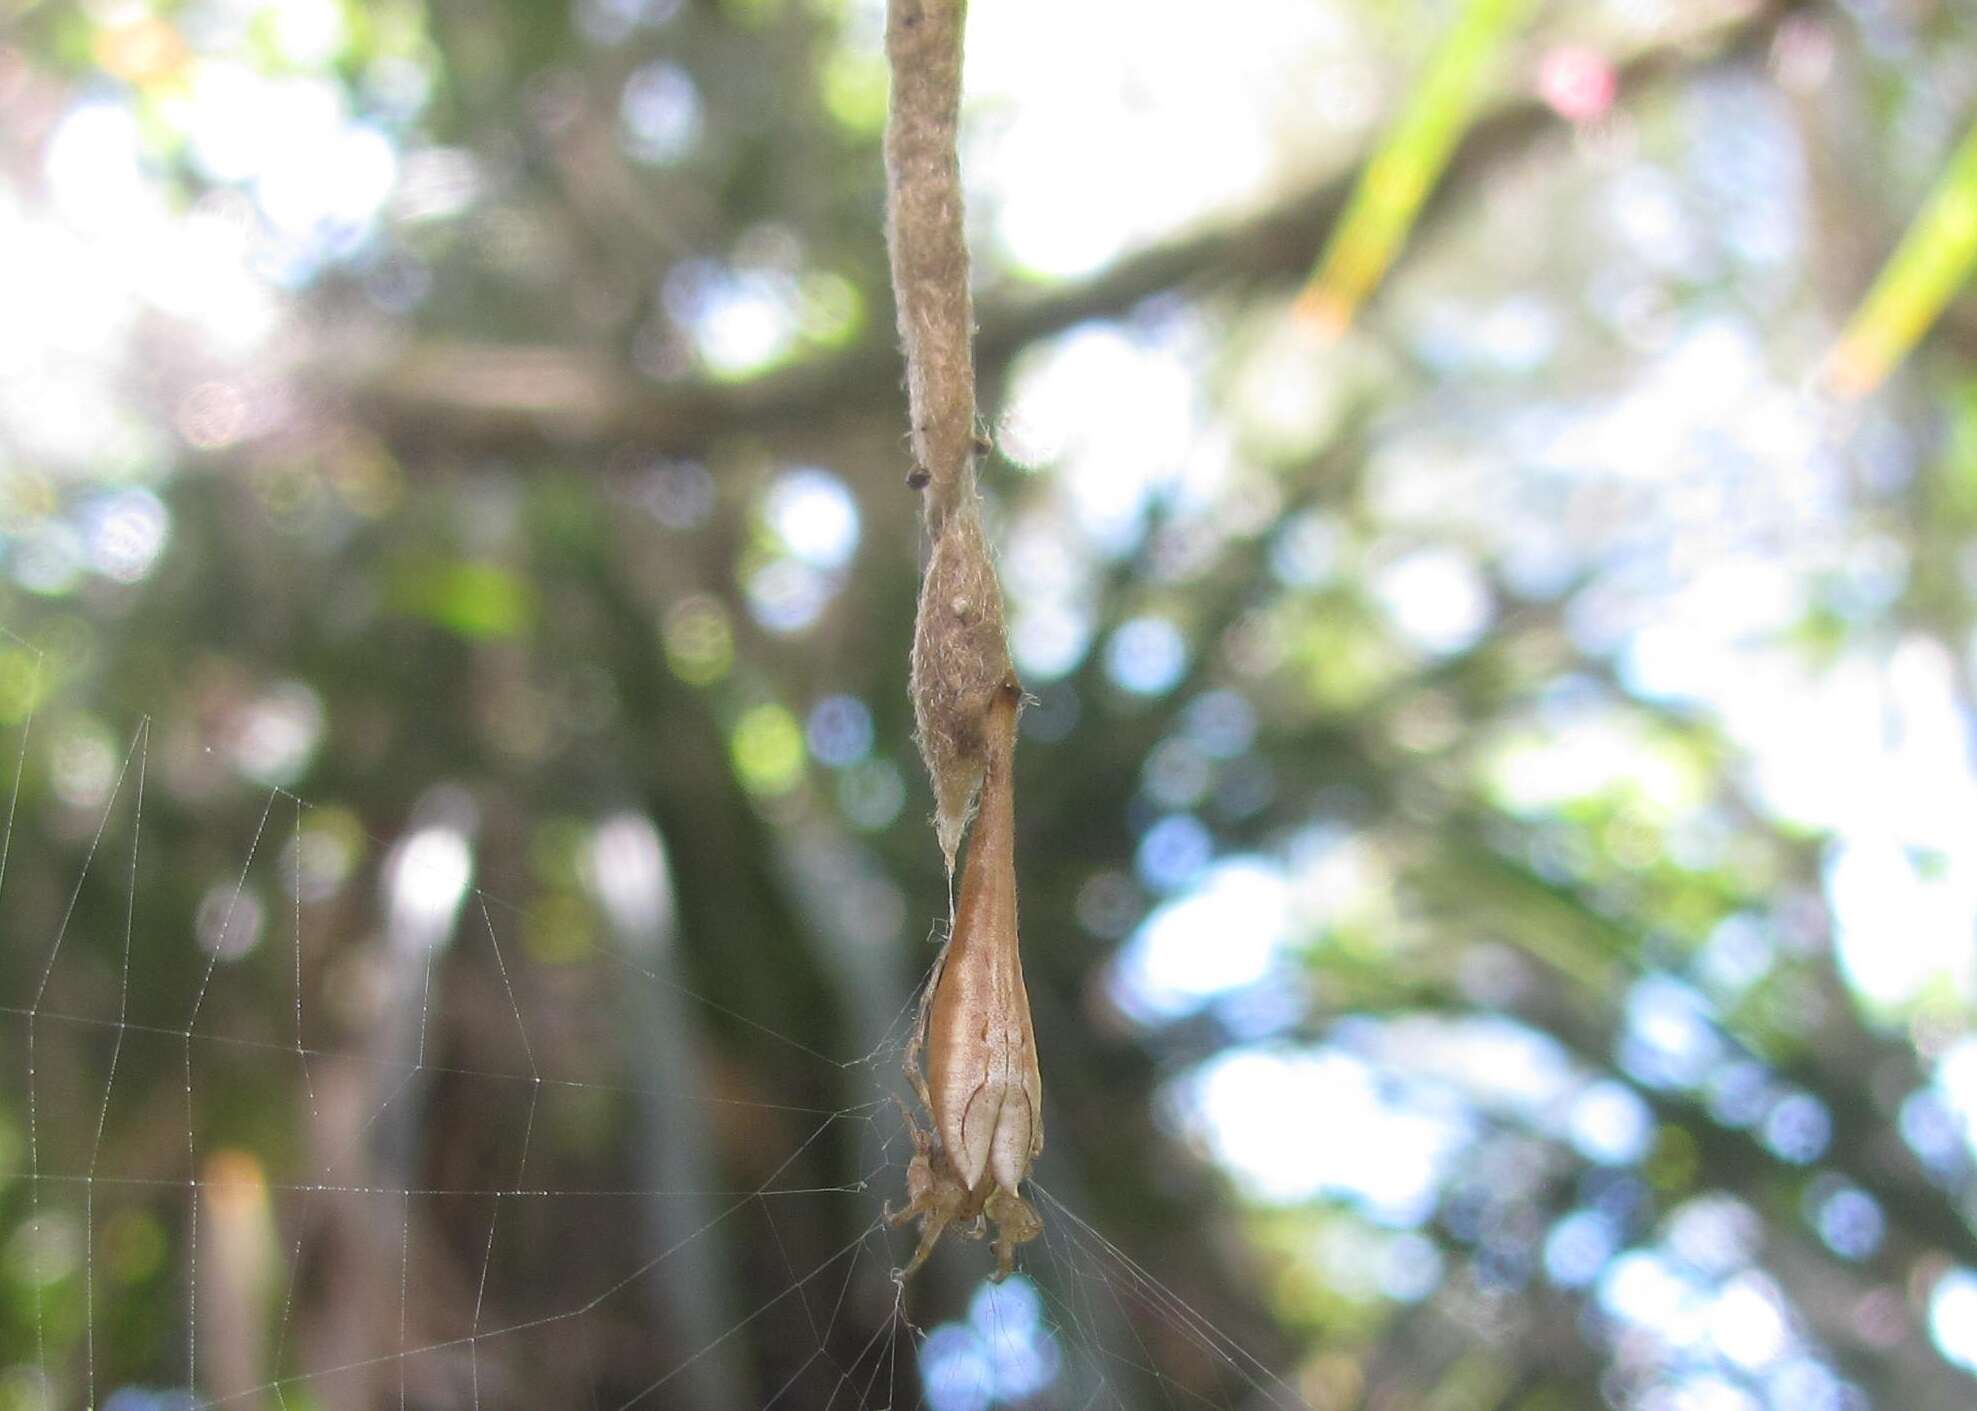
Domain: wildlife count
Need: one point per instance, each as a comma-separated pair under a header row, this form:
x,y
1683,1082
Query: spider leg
x,y
916,1045
921,1139
1016,1222
930,1232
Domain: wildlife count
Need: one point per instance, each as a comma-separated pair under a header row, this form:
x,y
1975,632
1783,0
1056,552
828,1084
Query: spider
x,y
980,1086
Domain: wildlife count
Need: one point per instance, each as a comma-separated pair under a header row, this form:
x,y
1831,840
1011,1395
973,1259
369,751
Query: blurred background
x,y
1498,829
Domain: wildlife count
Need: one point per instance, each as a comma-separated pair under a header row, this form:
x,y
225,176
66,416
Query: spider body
x,y
980,1087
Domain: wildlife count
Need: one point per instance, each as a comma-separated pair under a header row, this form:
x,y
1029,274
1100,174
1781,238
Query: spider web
x,y
304,1253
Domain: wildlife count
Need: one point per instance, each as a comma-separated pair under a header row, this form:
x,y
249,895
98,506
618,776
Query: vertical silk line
x,y
960,649
984,1101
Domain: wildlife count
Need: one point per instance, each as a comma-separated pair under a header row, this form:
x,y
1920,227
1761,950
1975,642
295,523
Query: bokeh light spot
x,y
659,113
275,735
1797,1128
1224,933
871,794
1576,82
1222,724
1849,1220
768,750
1610,1124
699,643
1146,656
228,922
1953,1317
812,511
839,731
1173,852
955,1369
1436,599
786,595
1578,1247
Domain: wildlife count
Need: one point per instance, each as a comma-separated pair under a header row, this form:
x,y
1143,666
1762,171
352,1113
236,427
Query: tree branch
x,y
461,393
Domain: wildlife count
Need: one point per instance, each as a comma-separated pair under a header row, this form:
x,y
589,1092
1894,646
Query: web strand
x,y
846,1340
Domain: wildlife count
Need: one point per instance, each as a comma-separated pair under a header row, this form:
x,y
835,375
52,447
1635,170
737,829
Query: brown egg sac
x,y
980,1086
960,664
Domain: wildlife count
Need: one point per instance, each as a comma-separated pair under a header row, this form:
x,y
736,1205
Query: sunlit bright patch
x,y
1578,1247
1340,877
1436,599
94,164
1135,136
1897,927
787,595
1022,1353
59,299
1226,932
1671,1039
138,48
354,168
275,735
1043,558
205,268
1610,1124
1953,1317
1116,414
1714,1234
1642,1287
1146,656
308,33
1349,1139
436,183
230,123
814,514
659,113
1498,1062
955,1369
1747,1324
425,882
1518,335
1956,1086
319,178
741,321
625,866
1803,1383
1049,639
1289,390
